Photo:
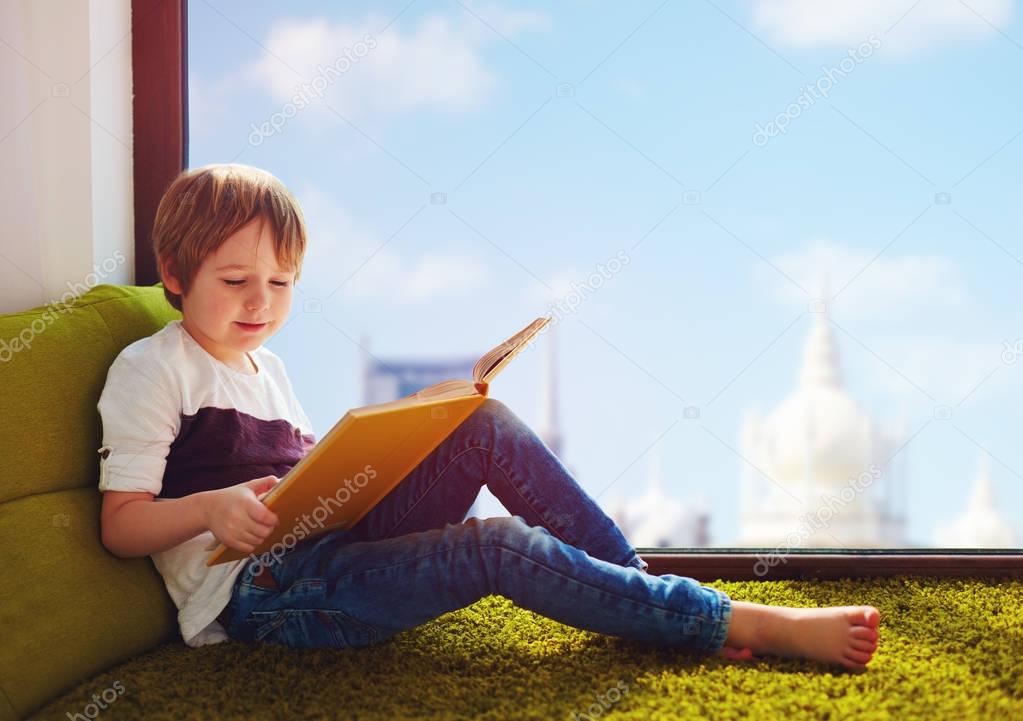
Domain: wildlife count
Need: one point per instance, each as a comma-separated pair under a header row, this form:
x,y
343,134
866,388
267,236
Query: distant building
x,y
549,427
387,380
980,525
657,519
816,469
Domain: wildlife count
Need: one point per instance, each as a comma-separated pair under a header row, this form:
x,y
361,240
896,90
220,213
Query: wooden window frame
x,y
746,564
160,77
159,59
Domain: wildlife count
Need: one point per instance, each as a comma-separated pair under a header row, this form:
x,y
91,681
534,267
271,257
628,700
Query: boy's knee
x,y
495,412
507,530
492,408
485,418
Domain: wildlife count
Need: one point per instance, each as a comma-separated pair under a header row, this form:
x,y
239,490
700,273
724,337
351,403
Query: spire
x,y
821,366
982,495
980,525
549,430
364,368
656,471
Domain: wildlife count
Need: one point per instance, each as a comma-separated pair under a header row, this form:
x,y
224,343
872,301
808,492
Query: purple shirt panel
x,y
220,447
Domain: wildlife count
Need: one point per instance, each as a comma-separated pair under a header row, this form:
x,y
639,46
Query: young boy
x,y
199,420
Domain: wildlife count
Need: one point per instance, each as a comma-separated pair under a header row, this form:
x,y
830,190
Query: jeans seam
x,y
556,531
573,579
312,609
429,488
498,464
719,637
547,524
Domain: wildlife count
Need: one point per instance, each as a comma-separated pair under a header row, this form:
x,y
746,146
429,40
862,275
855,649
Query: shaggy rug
x,y
949,649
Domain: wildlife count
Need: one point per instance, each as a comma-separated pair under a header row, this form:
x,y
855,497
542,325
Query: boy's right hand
x,y
236,516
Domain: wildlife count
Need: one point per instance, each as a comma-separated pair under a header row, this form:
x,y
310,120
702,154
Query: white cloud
x,y
440,274
340,247
393,278
510,22
884,308
890,287
560,283
846,23
437,63
207,98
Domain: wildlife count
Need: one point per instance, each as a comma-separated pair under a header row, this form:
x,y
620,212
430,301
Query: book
x,y
369,452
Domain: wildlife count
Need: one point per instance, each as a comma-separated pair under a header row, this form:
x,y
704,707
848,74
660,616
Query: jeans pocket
x,y
302,617
312,628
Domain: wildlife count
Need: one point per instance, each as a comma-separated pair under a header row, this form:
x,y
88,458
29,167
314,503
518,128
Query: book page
x,y
497,358
445,389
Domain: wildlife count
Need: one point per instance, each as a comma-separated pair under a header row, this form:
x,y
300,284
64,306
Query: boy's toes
x,y
871,616
858,656
863,633
736,654
860,645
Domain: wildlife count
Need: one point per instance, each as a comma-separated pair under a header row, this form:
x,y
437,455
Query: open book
x,y
369,452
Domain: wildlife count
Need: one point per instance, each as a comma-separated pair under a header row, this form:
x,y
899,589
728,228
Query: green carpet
x,y
950,649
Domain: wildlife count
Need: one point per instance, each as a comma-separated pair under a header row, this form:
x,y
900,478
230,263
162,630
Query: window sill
x,y
754,564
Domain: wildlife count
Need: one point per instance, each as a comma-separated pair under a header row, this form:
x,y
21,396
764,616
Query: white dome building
x,y
657,519
816,474
980,525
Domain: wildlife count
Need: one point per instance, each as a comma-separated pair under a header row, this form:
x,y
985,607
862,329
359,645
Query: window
x,y
778,247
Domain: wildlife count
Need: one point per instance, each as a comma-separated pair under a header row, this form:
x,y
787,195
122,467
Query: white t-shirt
x,y
177,421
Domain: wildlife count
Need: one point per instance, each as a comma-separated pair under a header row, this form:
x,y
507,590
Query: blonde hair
x,y
204,206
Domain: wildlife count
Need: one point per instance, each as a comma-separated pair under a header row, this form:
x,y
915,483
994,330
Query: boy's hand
x,y
236,516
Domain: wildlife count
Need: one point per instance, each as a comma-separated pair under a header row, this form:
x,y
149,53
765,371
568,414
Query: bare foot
x,y
736,654
844,635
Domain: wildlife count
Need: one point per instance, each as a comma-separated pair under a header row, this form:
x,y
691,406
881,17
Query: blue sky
x,y
564,136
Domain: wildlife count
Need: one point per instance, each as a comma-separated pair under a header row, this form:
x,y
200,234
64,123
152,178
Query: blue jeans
x,y
413,557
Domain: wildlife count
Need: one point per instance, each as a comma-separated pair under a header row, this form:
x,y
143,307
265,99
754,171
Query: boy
x,y
200,419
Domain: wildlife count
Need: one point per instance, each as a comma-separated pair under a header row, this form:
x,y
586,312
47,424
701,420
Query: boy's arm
x,y
140,408
133,524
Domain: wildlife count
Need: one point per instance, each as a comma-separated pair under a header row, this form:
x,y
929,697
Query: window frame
x,y
159,59
160,152
746,564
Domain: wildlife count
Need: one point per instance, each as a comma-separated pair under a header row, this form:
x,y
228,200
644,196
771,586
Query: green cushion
x,y
71,609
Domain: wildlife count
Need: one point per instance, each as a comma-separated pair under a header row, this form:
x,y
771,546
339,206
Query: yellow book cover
x,y
369,452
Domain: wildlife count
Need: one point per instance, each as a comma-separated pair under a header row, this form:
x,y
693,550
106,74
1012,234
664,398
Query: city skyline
x,y
484,163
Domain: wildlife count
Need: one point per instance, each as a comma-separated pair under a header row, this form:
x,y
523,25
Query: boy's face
x,y
239,297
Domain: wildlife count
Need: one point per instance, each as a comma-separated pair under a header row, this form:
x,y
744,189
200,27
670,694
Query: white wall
x,y
66,220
